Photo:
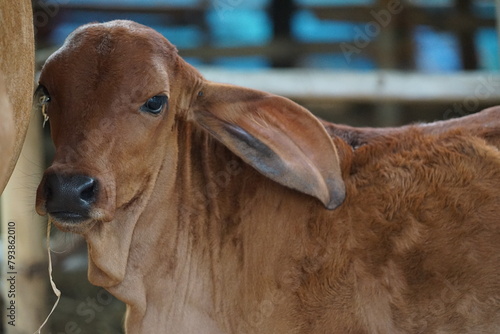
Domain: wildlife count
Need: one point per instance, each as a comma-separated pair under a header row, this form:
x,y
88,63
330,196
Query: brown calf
x,y
210,208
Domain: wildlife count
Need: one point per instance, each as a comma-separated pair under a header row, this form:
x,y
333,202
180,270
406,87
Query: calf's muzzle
x,y
69,198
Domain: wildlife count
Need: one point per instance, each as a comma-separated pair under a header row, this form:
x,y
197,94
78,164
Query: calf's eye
x,y
155,104
42,95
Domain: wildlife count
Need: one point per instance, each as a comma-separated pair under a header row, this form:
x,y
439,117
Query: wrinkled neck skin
x,y
196,243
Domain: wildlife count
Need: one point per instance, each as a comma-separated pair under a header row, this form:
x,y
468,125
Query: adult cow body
x,y
210,208
17,59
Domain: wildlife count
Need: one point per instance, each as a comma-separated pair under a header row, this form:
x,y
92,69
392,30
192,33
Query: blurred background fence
x,y
335,37
360,62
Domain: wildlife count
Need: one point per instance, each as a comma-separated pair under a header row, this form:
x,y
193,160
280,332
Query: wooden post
x,y
281,12
466,37
24,273
387,114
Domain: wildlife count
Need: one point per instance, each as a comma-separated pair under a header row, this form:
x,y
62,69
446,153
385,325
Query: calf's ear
x,y
276,136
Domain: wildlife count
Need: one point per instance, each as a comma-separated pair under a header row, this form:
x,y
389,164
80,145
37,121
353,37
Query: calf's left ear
x,y
276,136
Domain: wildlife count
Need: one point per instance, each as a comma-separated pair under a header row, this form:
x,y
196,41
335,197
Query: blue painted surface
x,y
234,23
239,27
486,43
307,28
436,51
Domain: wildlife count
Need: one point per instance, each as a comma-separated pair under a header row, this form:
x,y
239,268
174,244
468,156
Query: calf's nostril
x,y
88,191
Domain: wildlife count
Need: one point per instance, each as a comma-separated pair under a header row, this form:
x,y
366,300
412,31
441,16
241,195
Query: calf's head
x,y
117,97
106,93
